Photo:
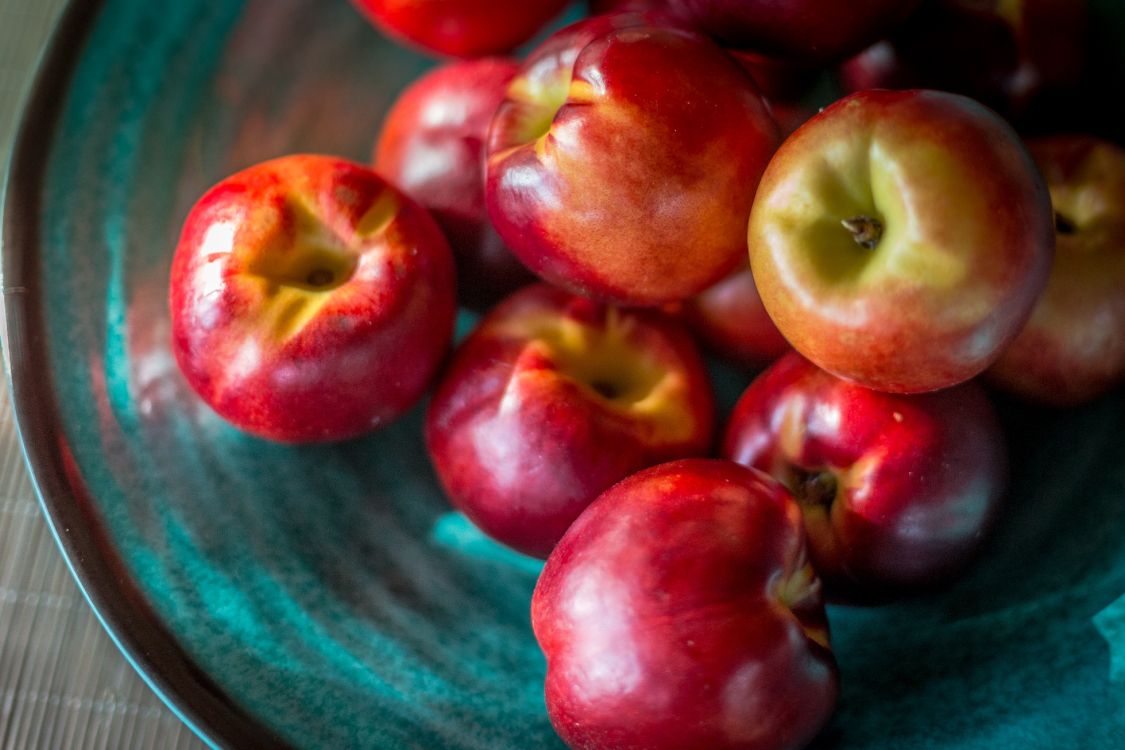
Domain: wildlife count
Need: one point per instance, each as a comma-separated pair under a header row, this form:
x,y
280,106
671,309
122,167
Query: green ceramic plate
x,y
327,596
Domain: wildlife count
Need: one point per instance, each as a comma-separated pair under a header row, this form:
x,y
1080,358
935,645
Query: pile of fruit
x,y
645,182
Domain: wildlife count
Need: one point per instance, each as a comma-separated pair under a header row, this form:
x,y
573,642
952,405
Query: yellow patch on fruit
x,y
604,361
542,146
793,591
859,474
792,430
535,100
582,92
1011,11
871,179
378,216
289,309
296,271
1086,198
921,246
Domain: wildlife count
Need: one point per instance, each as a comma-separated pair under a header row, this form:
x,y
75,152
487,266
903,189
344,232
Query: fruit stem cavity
x,y
320,277
1064,225
813,488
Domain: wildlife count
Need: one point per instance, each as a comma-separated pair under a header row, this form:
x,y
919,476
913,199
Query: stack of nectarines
x,y
624,191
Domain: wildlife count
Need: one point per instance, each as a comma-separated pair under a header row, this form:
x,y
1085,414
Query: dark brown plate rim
x,y
68,507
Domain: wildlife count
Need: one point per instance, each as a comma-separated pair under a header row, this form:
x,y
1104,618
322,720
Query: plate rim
x,y
67,505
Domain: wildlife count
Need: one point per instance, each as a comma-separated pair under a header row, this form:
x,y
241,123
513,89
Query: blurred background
x,y
63,684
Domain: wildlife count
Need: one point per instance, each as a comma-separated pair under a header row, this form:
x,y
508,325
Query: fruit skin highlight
x,y
623,163
901,239
1073,348
680,611
310,300
898,491
551,400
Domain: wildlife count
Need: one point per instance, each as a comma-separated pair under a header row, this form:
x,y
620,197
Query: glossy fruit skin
x,y
777,79
731,321
679,611
551,400
1073,348
809,31
1004,54
432,147
729,318
967,238
622,166
898,491
310,300
461,28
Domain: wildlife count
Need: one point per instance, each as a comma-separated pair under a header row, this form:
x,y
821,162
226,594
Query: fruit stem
x,y
866,231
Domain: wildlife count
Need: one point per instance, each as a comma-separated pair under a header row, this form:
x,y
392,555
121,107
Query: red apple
x,y
775,78
680,611
808,31
552,399
732,322
901,239
1000,52
897,491
461,28
432,146
1073,348
310,299
623,163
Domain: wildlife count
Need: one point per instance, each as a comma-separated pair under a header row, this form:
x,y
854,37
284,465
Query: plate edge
x,y
99,572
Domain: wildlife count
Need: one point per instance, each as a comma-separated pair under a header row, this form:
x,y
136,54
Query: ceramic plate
x,y
327,596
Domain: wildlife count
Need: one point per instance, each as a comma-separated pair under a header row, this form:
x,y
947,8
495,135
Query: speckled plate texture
x,y
327,596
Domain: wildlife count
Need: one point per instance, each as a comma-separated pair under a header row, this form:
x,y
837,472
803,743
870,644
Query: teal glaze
x,y
329,590
1111,623
271,542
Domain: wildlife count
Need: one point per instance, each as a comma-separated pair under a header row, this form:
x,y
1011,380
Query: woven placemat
x,y
63,684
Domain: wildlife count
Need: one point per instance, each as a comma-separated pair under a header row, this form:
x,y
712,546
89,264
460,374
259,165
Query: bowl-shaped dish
x,y
327,596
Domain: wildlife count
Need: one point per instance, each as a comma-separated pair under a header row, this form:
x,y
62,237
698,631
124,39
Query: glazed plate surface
x,y
327,596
